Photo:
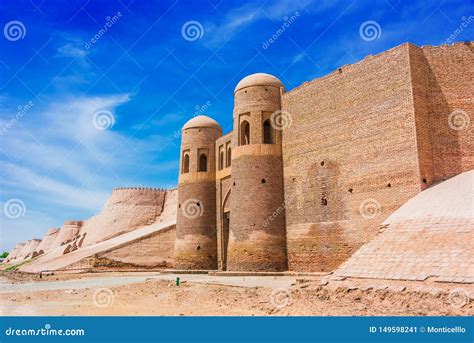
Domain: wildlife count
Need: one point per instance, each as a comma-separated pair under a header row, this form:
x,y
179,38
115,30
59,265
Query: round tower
x,y
196,236
257,239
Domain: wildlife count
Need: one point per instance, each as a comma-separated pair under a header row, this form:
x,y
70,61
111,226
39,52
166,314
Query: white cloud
x,y
55,158
237,19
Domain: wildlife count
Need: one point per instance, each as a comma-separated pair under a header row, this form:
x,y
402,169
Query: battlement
x,y
152,189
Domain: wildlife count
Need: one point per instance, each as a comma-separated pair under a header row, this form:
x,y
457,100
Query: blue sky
x,y
155,65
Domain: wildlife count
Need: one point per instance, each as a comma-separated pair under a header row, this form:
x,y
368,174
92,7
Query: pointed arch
x,y
244,133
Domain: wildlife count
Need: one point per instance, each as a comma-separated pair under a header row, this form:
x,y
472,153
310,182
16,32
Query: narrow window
x,y
267,132
221,160
185,164
229,156
244,133
202,163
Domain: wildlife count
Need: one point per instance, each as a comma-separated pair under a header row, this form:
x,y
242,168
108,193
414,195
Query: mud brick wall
x,y
448,80
154,251
350,158
127,209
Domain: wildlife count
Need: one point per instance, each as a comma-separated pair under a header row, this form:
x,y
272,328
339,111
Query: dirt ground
x,y
140,294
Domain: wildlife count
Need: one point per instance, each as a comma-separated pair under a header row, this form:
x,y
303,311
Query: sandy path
x,y
157,294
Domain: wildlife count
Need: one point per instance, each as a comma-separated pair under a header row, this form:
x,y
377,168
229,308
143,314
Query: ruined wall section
x,y
68,232
350,158
47,243
127,209
14,253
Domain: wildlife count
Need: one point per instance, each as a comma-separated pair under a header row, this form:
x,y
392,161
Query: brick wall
x,y
448,81
152,251
350,158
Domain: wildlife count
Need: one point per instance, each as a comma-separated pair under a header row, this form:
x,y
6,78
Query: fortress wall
x,y
450,90
47,244
14,253
350,158
31,248
28,248
24,251
154,251
68,231
423,83
126,209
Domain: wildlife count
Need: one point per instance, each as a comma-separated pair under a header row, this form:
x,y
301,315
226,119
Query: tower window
x,y
202,163
185,168
267,132
221,160
244,133
229,156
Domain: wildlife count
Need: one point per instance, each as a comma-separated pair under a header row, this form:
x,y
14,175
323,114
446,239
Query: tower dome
x,y
259,79
201,121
